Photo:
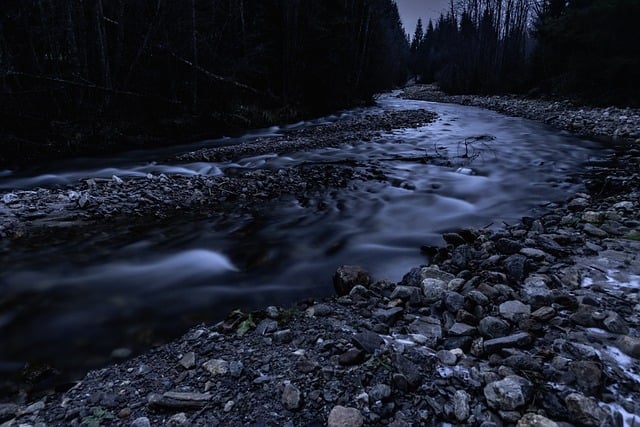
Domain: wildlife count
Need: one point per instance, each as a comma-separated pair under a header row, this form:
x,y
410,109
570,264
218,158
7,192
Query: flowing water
x,y
73,303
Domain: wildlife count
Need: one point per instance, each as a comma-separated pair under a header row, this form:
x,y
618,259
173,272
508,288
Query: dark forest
x,y
587,50
83,76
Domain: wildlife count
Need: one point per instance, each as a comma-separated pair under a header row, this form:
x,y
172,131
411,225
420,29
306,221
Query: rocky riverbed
x,y
536,324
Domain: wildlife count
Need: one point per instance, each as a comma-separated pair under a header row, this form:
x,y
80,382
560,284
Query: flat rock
x,y
341,416
368,341
514,310
509,393
177,400
518,340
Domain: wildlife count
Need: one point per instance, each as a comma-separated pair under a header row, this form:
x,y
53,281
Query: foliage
x,y
245,326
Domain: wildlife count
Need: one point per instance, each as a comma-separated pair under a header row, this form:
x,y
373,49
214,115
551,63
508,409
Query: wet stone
x,y
629,345
493,327
433,289
594,231
347,277
453,301
435,273
514,310
516,266
588,376
536,292
584,410
508,394
341,416
368,341
508,246
615,323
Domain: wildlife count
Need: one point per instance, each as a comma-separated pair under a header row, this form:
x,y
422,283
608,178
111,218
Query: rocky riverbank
x,y
533,325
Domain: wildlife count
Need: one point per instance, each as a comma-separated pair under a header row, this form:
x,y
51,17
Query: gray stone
x,y
584,410
347,277
516,266
429,328
514,310
291,397
493,327
461,407
544,314
629,345
318,310
408,369
615,323
593,217
433,289
536,292
8,411
341,416
533,253
178,400
509,393
518,340
478,297
141,422
368,341
453,239
462,256
508,246
435,273
588,375
188,361
353,356
283,337
535,420
178,420
462,329
406,293
594,231
216,366
235,368
389,315
380,392
453,301
446,357
578,204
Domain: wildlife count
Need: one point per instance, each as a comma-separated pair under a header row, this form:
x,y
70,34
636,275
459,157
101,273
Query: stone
x,y
291,397
536,292
462,329
216,366
188,361
544,314
578,204
453,301
8,411
380,392
493,327
453,239
478,297
368,341
341,416
629,345
178,420
615,323
533,253
584,410
446,357
411,293
178,400
388,316
353,356
516,266
347,277
588,375
462,256
283,337
435,273
509,393
408,369
141,422
593,217
594,231
508,246
235,368
518,340
318,310
433,289
514,310
461,407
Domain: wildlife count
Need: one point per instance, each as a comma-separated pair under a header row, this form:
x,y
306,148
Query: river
x,y
76,304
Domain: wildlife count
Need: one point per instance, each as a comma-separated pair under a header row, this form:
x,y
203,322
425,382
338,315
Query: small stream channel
x,y
73,303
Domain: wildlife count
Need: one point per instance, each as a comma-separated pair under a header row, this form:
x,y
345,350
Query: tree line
x,y
94,71
584,49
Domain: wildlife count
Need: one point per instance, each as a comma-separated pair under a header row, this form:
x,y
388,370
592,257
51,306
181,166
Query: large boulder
x,y
347,277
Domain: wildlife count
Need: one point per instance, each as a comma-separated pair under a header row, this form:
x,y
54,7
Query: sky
x,y
411,10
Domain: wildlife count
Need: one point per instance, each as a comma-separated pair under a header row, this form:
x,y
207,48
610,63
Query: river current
x,y
78,303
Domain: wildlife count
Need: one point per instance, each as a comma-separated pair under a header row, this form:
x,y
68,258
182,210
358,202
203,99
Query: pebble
x,y
508,394
141,422
188,361
216,366
291,397
341,416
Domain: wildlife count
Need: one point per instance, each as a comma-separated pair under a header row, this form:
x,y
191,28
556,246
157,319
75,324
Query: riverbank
x,y
532,323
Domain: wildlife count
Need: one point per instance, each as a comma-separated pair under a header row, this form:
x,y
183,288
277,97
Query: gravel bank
x,y
533,325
